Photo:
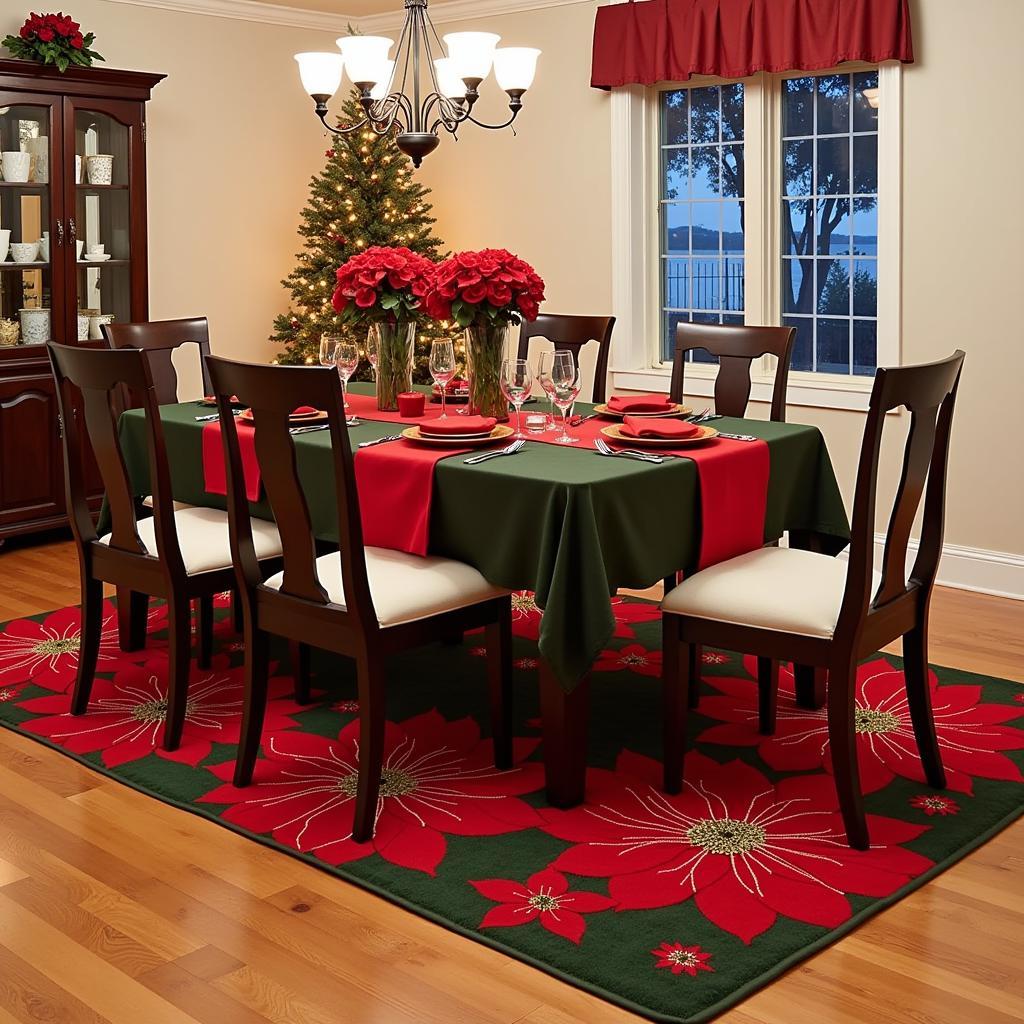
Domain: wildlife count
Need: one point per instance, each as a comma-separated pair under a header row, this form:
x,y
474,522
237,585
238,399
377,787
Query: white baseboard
x,y
999,573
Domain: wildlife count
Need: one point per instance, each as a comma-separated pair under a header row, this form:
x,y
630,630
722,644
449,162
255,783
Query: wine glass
x,y
346,360
545,364
442,367
329,349
565,380
371,354
516,382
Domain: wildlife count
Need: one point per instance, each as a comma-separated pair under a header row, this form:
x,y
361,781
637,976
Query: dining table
x,y
558,520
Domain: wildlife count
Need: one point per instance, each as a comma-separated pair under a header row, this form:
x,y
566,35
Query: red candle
x,y
411,404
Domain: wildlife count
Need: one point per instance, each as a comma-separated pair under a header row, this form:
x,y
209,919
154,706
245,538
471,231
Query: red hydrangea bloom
x,y
682,959
46,653
746,850
492,278
932,804
126,714
631,658
972,735
388,281
544,896
439,778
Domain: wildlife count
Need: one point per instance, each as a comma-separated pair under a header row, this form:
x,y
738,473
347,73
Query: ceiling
x,y
357,8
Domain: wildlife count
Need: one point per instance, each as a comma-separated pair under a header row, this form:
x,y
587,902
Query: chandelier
x,y
420,106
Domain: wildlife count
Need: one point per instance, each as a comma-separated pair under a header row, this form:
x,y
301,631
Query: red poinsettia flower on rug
x,y
628,613
682,959
933,804
972,736
46,653
713,658
745,849
526,615
631,658
8,693
545,897
1019,698
439,778
126,714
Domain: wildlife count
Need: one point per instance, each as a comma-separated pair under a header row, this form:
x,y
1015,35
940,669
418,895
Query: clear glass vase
x,y
394,344
485,350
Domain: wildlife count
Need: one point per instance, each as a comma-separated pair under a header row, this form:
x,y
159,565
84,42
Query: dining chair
x,y
176,555
789,603
569,334
362,602
735,346
160,339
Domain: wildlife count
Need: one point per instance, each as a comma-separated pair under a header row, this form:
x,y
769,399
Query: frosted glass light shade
x,y
383,87
448,81
366,57
471,53
320,72
515,66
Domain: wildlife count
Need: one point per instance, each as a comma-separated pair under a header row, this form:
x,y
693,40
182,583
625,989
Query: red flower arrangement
x,y
53,39
484,287
382,283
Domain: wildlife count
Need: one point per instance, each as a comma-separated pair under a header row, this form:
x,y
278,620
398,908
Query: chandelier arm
x,y
321,112
515,105
451,113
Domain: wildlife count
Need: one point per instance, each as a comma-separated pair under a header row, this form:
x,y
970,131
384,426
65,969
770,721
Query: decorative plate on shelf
x,y
679,410
499,433
615,433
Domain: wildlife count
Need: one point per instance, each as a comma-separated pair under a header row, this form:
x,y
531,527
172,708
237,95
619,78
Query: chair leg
x,y
767,694
299,654
915,670
676,683
693,692
842,739
179,643
236,611
810,686
372,688
132,613
498,638
89,644
204,631
257,676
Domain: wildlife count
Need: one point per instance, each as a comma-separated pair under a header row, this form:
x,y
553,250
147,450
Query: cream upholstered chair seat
x,y
406,587
203,538
178,505
783,589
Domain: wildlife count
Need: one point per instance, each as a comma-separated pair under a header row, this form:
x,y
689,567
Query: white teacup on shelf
x,y
5,243
44,247
100,168
39,149
25,252
35,326
95,249
16,165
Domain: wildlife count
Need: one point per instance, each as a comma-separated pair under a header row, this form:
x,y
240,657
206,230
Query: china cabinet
x,y
73,242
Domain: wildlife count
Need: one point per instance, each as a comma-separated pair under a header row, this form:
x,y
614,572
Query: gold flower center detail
x,y
524,604
726,835
156,710
634,659
683,957
873,721
55,648
542,901
392,783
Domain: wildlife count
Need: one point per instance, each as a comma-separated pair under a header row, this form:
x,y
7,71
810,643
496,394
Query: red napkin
x,y
458,425
304,410
455,384
642,426
215,478
640,403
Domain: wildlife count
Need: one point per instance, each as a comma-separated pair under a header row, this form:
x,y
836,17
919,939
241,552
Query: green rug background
x,y
614,959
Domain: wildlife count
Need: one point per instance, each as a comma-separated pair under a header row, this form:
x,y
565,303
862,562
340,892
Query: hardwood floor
x,y
117,908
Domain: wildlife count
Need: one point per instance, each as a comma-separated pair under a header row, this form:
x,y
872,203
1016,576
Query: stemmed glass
x,y
371,354
329,349
346,360
545,364
442,367
516,382
565,380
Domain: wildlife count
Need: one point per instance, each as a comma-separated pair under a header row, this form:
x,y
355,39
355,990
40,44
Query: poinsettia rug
x,y
673,906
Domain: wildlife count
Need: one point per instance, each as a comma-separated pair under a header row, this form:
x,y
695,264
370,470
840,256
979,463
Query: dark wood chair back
x,y
736,347
91,380
929,392
159,339
273,392
569,334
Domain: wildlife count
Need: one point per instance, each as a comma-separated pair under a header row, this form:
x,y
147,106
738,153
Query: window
x,y
701,209
775,200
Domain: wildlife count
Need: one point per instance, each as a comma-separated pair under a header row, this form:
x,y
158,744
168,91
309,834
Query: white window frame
x,y
635,231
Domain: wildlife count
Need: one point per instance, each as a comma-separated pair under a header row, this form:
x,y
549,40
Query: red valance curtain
x,y
669,40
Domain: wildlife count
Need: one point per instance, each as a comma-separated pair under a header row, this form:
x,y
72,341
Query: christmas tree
x,y
364,196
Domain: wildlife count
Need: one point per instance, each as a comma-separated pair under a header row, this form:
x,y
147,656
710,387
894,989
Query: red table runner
x,y
396,483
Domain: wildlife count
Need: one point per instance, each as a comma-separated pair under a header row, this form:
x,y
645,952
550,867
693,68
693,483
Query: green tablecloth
x,y
563,522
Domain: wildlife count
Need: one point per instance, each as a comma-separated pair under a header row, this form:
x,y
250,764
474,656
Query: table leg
x,y
564,717
810,685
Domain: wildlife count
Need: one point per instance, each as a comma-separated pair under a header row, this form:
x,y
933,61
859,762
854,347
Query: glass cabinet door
x,y
29,209
101,222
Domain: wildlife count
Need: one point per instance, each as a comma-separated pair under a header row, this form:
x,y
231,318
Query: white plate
x,y
98,259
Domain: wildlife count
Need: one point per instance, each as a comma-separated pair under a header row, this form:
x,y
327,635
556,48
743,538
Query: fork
x,y
603,448
307,430
697,417
380,440
515,446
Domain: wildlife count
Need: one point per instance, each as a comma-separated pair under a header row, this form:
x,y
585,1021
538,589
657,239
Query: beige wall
x,y
547,194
